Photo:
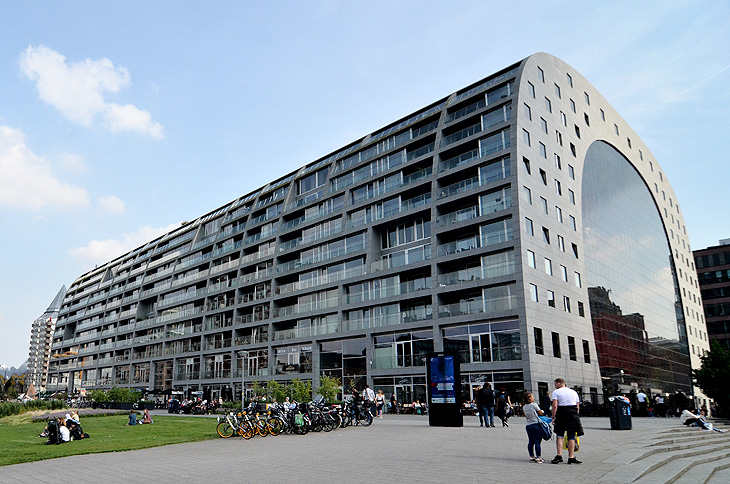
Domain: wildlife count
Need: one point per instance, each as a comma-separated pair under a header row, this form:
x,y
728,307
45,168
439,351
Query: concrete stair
x,y
681,456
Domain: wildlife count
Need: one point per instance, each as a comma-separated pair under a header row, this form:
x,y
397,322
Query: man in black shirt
x,y
485,403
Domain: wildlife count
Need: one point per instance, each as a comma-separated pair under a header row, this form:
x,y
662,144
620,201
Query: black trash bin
x,y
619,412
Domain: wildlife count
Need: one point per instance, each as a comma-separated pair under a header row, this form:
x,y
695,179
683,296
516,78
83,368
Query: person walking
x,y
641,400
565,409
479,398
380,403
489,398
532,413
504,406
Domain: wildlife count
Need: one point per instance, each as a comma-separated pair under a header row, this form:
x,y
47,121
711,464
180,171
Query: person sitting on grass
x,y
146,417
132,418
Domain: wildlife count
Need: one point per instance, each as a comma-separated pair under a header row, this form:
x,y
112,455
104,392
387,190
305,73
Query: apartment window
x,y
581,310
575,250
572,150
531,88
544,204
641,155
561,243
586,352
548,105
603,114
564,273
571,348
543,150
587,119
628,141
559,137
557,91
533,292
528,111
588,98
558,187
539,349
572,105
531,259
558,163
651,166
543,125
570,80
541,74
526,137
563,119
543,175
551,299
559,213
548,266
527,195
526,164
571,196
546,235
566,304
528,226
573,224
615,128
577,130
556,344
577,278
571,171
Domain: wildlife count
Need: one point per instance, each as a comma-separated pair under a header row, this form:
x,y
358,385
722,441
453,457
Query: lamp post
x,y
244,355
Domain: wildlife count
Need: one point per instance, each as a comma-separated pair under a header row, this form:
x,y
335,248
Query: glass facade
x,y
635,306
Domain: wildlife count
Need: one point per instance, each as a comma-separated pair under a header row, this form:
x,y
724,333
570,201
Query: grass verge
x,y
20,443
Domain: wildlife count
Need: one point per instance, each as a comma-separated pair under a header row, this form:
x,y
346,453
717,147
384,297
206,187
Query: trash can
x,y
619,412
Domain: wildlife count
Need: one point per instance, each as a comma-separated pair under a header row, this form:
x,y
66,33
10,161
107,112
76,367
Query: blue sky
x,y
119,120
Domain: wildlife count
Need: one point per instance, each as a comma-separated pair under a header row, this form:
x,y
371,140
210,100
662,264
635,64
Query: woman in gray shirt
x,y
532,412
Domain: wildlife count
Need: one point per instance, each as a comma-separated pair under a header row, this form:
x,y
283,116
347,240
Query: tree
x,y
275,391
329,387
257,388
301,390
711,374
99,396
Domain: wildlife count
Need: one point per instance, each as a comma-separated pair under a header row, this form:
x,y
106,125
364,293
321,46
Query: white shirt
x,y
65,434
566,397
368,394
641,397
659,399
530,410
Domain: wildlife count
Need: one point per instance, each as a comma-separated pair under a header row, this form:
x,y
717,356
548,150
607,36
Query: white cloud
x,y
102,251
27,180
111,204
73,163
77,90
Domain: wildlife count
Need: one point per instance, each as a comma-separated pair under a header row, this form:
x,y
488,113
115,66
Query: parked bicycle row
x,y
295,418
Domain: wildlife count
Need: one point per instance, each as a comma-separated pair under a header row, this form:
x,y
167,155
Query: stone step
x,y
706,473
695,438
666,464
670,470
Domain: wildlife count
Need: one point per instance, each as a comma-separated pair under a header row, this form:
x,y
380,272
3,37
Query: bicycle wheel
x,y
275,426
261,428
225,430
366,418
245,432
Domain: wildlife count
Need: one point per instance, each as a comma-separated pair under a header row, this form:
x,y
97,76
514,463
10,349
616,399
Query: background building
x,y
713,272
518,222
41,335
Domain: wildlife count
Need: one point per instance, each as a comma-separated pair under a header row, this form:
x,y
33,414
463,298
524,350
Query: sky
x,y
120,120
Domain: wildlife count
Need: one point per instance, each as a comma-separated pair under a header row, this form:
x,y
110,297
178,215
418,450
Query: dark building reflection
x,y
633,292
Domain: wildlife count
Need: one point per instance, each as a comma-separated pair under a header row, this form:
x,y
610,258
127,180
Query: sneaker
x,y
557,460
532,459
573,460
539,460
492,425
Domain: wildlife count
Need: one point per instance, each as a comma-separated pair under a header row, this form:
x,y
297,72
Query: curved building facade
x,y
518,222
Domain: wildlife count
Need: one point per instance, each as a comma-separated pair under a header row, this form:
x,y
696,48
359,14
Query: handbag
x,y
577,443
546,427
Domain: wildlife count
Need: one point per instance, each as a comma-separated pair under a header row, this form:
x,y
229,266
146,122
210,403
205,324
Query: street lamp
x,y
244,355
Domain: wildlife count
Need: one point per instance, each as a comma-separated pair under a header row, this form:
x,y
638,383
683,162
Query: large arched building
x,y
519,222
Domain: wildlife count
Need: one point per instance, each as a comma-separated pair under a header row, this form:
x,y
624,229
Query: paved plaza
x,y
400,448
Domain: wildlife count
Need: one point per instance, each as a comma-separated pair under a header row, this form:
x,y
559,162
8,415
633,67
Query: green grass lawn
x,y
20,443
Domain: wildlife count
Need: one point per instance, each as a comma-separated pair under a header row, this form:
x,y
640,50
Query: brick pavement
x,y
401,448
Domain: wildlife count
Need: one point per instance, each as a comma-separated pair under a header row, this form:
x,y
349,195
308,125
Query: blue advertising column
x,y
444,390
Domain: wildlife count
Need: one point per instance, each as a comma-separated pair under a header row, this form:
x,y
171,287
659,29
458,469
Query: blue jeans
x,y
486,411
534,434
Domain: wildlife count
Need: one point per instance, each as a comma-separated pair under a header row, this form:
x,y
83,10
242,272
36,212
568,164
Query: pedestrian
x,y
504,406
565,410
380,403
641,400
532,413
489,398
393,404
